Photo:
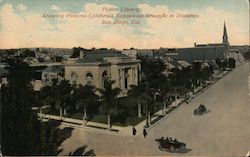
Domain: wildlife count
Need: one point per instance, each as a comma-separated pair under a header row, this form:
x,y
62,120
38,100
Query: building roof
x,y
184,64
96,56
172,64
201,53
54,69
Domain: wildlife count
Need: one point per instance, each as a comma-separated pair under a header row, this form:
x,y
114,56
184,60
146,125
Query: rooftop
x,y
54,69
98,56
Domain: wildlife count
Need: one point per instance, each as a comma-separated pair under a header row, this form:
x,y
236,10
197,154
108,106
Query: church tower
x,y
225,41
225,37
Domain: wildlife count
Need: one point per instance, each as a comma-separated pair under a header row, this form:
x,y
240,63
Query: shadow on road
x,y
179,151
82,151
61,134
66,133
183,151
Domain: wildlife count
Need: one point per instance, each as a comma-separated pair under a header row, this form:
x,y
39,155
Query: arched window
x,y
89,79
74,78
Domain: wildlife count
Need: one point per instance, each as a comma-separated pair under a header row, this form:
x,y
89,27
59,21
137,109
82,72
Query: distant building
x,y
95,67
201,53
206,51
130,52
162,53
52,72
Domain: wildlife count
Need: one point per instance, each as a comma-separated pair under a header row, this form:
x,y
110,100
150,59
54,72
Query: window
x,y
74,78
89,79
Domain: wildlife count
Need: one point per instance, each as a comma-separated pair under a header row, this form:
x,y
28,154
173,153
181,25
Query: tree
x,y
45,97
224,64
63,96
84,96
147,102
28,53
152,69
164,92
231,63
21,131
207,73
18,123
109,100
136,92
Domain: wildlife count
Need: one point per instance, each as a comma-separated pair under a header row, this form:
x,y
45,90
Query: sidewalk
x,y
103,128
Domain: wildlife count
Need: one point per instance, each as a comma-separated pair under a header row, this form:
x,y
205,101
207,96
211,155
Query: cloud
x,y
183,32
54,7
21,7
31,30
247,2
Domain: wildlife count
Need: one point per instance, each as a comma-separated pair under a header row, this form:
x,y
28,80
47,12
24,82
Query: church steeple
x,y
225,38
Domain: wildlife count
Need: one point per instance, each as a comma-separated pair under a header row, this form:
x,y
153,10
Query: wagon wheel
x,y
200,112
183,147
172,149
160,147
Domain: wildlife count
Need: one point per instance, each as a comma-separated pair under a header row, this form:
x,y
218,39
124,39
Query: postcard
x,y
124,77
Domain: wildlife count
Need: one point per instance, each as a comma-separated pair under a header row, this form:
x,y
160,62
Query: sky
x,y
29,23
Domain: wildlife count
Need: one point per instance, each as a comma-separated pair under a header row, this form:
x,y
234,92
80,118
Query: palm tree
x,y
45,98
85,95
147,102
109,99
63,94
164,92
136,92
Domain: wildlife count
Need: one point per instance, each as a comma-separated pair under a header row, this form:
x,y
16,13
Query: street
x,y
224,131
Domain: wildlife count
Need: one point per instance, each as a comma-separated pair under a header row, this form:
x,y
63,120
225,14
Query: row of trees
x,y
63,96
21,131
226,63
155,86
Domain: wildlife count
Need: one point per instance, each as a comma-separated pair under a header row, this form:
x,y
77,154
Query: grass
x,y
135,120
99,119
130,120
77,116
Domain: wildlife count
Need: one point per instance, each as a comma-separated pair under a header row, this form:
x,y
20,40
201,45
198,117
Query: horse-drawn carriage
x,y
172,146
200,110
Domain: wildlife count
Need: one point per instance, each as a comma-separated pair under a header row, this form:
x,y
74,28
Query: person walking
x,y
144,132
134,130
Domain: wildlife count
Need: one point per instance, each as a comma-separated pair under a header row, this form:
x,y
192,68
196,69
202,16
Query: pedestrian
x,y
175,140
134,130
170,139
144,132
